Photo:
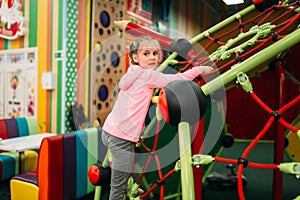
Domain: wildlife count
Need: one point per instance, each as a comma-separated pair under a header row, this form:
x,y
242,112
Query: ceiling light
x,y
233,2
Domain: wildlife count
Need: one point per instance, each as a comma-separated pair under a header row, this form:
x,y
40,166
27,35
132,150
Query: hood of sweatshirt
x,y
133,73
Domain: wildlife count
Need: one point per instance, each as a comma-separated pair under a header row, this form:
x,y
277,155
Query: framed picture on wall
x,y
18,83
15,92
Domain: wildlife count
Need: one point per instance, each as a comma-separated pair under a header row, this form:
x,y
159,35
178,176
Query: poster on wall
x,y
14,92
11,19
19,71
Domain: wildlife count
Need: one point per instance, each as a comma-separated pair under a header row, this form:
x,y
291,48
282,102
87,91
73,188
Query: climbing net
x,y
229,45
242,162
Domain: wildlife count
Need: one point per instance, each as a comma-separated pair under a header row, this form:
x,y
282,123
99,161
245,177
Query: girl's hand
x,y
205,69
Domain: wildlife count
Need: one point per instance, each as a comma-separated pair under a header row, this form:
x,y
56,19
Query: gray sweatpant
x,y
122,152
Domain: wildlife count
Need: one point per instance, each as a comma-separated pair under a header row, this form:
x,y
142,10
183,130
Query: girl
x,y
124,125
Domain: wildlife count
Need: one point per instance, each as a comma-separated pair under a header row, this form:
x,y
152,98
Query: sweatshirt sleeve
x,y
159,80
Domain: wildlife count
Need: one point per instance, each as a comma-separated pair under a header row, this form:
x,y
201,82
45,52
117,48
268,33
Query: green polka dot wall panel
x,y
107,56
71,57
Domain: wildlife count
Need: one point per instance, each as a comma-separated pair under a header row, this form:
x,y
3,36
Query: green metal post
x,y
166,62
107,159
97,193
186,172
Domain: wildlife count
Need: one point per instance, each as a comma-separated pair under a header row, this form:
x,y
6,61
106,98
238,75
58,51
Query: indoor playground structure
x,y
254,56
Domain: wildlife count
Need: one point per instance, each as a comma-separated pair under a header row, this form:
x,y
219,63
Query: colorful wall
x,y
60,31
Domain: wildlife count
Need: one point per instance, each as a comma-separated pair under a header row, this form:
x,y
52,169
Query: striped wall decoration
x,y
57,66
47,24
83,49
42,36
55,98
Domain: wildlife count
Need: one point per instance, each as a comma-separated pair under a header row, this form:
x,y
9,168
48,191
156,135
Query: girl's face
x,y
148,55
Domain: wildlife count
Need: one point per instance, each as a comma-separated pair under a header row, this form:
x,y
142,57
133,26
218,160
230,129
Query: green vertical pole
x,y
97,192
186,172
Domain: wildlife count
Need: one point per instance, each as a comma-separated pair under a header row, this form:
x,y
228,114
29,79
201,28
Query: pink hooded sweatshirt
x,y
127,118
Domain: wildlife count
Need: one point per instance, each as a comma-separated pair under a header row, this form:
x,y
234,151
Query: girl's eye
x,y
155,53
146,54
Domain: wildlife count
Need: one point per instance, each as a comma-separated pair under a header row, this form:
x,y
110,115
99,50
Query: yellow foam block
x,y
21,190
30,161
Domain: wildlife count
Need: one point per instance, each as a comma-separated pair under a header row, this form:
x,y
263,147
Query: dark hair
x,y
136,44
